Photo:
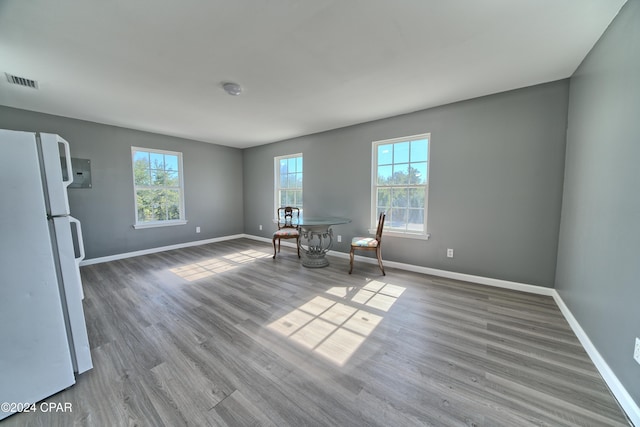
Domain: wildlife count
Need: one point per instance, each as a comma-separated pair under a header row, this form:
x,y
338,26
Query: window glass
x,y
288,181
157,180
401,184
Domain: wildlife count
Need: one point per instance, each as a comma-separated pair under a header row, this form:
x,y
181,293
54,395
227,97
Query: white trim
x,y
183,216
160,224
498,283
159,249
624,398
374,183
276,178
414,236
267,240
617,388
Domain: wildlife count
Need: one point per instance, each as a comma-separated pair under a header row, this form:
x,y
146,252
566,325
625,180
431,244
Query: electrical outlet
x,y
197,229
449,253
260,227
339,238
636,351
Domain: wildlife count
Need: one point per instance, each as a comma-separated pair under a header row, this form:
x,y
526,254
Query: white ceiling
x,y
305,65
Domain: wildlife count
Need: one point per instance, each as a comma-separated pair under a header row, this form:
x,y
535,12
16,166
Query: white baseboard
x,y
498,283
267,240
624,398
158,249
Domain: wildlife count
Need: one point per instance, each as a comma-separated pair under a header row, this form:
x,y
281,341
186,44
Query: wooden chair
x,y
288,228
369,244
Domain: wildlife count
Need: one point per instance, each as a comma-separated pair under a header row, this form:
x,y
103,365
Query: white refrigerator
x,y
43,339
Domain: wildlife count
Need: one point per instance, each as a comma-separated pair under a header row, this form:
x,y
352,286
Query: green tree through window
x,y
158,185
401,182
288,188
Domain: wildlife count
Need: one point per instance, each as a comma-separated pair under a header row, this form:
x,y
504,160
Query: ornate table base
x,y
319,240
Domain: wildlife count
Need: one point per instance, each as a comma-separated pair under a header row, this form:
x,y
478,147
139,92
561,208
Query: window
x,y
400,185
288,181
157,183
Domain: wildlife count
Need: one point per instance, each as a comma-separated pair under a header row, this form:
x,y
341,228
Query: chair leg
x,y
298,245
279,242
274,248
350,260
379,254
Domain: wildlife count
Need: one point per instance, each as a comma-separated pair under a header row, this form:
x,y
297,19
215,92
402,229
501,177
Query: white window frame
x,y
276,181
164,223
374,188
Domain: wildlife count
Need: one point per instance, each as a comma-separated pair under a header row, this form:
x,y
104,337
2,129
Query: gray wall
x,y
497,167
212,184
599,249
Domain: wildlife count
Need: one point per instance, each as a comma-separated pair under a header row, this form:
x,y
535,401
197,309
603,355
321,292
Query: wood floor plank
x,y
224,335
238,411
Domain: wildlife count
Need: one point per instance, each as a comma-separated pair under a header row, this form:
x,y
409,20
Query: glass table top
x,y
322,220
319,220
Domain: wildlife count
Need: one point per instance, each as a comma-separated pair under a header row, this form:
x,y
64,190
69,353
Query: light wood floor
x,y
222,334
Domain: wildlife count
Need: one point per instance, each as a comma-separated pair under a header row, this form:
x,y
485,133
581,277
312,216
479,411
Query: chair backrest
x,y
380,227
288,217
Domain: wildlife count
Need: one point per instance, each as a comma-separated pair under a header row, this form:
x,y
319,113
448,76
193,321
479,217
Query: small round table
x,y
319,239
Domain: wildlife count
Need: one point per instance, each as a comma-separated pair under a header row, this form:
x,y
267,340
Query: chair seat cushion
x,y
366,242
286,232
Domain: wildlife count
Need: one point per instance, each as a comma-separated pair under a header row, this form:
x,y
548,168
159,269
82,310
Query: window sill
x,y
159,224
388,233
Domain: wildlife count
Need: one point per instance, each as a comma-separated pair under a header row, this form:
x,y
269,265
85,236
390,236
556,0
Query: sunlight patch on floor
x,y
246,256
217,265
335,324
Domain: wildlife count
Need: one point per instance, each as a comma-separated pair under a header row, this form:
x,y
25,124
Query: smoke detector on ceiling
x,y
232,88
21,81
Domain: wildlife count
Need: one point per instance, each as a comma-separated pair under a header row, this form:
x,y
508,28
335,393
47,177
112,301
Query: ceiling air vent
x,y
21,81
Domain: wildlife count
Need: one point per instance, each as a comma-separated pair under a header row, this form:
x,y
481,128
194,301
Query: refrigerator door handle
x,y
67,158
79,236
